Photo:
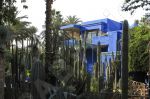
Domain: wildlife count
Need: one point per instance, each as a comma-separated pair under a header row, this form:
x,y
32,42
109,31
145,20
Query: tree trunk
x,y
1,16
1,75
1,60
48,38
16,69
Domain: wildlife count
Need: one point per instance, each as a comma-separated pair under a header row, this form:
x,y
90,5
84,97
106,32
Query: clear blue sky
x,y
86,10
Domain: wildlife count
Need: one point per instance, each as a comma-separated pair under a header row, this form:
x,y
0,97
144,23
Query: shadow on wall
x,y
138,76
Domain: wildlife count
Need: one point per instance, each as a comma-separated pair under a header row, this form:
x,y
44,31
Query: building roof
x,y
105,25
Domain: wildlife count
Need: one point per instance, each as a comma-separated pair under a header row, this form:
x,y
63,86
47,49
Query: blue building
x,y
104,32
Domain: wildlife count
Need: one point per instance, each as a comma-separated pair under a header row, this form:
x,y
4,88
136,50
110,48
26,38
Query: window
x,y
90,35
104,48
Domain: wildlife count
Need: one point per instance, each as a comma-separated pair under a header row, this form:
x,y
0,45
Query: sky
x,y
86,10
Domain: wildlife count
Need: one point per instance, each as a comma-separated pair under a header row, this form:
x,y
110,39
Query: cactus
x,y
79,63
3,40
37,68
100,68
125,60
117,66
149,59
37,71
98,58
94,80
116,63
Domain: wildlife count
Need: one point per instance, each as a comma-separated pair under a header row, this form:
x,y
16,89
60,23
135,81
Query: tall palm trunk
x,y
48,37
16,69
1,16
3,41
1,75
1,61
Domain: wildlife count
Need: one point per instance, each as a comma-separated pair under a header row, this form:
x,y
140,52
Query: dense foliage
x,y
139,36
8,11
132,5
138,53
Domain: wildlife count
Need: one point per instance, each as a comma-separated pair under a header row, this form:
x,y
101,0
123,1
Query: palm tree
x,y
72,20
48,37
55,29
3,40
20,32
21,29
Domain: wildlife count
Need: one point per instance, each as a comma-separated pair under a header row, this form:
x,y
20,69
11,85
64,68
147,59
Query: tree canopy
x,y
139,36
132,5
9,11
138,53
22,30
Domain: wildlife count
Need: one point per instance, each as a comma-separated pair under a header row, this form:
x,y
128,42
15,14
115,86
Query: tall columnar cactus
x,y
149,61
125,61
16,61
98,59
112,73
94,80
37,71
79,63
149,57
100,74
115,69
3,39
84,60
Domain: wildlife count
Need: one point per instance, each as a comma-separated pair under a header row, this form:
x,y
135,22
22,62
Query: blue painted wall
x,y
113,30
91,58
105,25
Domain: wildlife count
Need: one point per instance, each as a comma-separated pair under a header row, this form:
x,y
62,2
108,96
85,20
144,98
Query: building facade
x,y
105,33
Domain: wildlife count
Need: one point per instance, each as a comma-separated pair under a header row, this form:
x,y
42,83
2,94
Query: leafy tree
x,y
8,11
8,14
145,20
132,5
138,54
